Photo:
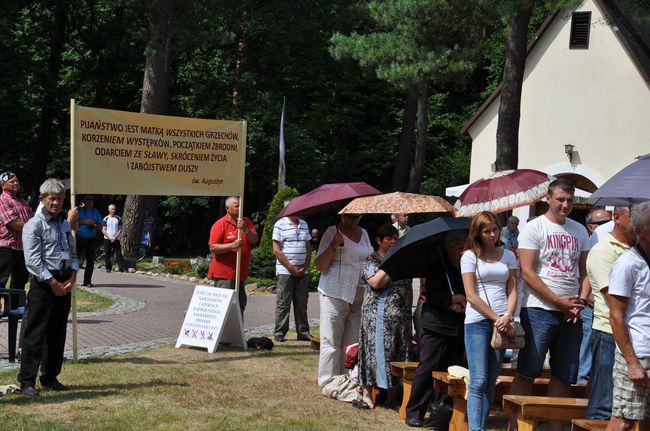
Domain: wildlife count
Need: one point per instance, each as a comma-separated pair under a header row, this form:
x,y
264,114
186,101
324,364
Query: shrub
x,y
262,258
177,267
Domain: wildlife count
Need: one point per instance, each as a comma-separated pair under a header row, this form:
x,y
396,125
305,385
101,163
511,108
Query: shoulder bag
x,y
499,340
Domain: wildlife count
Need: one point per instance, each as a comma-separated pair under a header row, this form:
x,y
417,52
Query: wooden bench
x,y
315,342
531,409
455,387
405,371
510,369
592,425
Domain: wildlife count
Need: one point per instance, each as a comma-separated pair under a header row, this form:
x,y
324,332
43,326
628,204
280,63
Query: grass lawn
x,y
189,389
89,301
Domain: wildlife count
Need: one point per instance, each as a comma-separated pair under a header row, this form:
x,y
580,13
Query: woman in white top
x,y
341,255
490,278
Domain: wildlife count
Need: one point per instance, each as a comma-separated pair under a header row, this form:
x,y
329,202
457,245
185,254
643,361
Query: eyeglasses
x,y
600,222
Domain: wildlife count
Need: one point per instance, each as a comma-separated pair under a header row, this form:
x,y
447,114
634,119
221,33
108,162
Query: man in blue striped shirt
x,y
292,249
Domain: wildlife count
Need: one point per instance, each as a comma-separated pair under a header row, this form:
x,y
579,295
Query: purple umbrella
x,y
629,186
327,196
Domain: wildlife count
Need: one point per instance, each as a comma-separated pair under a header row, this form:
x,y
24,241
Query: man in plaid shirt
x,y
14,213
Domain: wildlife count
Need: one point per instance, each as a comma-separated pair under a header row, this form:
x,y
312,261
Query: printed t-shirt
x,y
599,262
559,247
224,231
293,242
493,280
630,278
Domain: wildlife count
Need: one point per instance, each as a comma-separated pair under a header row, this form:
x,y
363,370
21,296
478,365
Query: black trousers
x,y
12,264
437,353
43,331
109,249
86,248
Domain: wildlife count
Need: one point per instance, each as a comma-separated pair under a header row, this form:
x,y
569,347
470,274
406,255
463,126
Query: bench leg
x,y
458,420
13,332
526,424
406,386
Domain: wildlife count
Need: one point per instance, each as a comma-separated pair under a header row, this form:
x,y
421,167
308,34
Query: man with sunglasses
x,y
87,218
14,213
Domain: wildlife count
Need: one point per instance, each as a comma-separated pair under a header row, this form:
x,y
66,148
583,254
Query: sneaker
x,y
279,338
54,385
29,390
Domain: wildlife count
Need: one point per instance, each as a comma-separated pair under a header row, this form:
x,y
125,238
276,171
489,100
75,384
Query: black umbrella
x,y
416,252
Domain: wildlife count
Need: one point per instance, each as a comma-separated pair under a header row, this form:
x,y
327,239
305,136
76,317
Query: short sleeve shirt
x,y
89,213
293,241
491,285
630,278
599,262
224,231
343,277
112,225
559,247
12,209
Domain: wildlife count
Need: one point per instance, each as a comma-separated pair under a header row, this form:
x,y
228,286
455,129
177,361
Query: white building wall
x,y
594,99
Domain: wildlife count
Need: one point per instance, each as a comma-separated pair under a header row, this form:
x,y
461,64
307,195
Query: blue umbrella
x,y
414,254
630,186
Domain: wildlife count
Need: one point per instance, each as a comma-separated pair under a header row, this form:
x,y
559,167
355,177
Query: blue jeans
x,y
484,365
584,369
546,331
602,382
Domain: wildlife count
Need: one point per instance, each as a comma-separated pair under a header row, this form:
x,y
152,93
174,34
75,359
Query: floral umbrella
x,y
503,191
398,203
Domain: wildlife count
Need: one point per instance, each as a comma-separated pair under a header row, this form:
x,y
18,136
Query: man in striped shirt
x,y
292,249
14,213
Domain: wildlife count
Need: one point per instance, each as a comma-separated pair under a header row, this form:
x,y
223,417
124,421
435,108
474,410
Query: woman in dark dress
x,y
385,334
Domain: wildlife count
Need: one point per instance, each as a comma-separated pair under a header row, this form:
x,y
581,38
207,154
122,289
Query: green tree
x,y
418,45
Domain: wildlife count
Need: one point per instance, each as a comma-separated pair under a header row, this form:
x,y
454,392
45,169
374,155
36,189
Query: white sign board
x,y
212,317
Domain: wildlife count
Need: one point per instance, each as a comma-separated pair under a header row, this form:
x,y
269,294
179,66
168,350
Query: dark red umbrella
x,y
503,191
327,196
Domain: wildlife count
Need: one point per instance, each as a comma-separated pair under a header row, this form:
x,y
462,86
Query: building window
x,y
580,26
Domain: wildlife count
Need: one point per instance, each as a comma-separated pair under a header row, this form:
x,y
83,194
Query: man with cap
x,y
14,213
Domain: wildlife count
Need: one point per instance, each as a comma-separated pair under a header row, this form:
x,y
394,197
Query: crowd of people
x,y
544,277
554,277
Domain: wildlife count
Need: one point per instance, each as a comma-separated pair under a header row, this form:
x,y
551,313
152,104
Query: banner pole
x,y
73,204
241,204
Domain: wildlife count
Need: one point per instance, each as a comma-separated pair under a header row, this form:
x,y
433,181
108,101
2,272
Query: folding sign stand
x,y
212,317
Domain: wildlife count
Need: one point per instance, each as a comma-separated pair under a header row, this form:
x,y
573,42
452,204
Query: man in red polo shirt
x,y
225,242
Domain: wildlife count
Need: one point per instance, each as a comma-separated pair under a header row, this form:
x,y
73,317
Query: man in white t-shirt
x,y
292,248
112,230
629,306
553,253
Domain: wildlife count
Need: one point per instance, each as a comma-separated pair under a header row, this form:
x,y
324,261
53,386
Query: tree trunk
x,y
155,93
41,150
421,141
507,156
403,160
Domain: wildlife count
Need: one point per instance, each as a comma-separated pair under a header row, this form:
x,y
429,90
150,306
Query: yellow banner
x,y
117,152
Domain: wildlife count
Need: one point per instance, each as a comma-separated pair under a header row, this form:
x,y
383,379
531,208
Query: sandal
x,y
361,404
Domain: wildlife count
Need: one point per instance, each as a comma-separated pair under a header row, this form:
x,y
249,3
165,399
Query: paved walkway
x,y
149,312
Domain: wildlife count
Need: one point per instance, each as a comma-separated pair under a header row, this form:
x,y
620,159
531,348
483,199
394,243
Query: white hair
x,y
52,186
230,200
640,214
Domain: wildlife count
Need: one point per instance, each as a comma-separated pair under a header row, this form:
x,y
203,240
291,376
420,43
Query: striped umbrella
x,y
503,191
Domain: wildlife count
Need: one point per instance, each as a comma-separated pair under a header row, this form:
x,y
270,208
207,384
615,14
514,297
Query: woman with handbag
x,y
490,278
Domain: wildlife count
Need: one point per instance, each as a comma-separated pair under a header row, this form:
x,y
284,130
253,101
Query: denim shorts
x,y
546,331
